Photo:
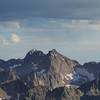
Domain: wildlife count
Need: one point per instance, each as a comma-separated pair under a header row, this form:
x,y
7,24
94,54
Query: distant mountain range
x,y
50,76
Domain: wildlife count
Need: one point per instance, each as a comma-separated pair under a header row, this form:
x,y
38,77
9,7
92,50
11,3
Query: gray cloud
x,y
70,9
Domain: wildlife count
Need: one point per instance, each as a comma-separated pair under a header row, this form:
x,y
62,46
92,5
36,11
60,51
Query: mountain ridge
x,y
51,70
37,61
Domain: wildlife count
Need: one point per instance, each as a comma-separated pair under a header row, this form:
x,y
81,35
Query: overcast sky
x,y
70,26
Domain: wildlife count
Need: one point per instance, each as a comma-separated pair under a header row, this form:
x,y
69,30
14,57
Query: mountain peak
x,y
35,52
32,51
53,52
34,55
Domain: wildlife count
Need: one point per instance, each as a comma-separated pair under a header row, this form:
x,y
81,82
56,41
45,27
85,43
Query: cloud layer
x,y
13,39
49,25
70,9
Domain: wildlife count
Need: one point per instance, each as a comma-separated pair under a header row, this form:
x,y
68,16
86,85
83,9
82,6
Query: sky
x,y
70,26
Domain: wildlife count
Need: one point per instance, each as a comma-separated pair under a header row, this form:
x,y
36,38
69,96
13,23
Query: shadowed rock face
x,y
88,91
63,93
93,67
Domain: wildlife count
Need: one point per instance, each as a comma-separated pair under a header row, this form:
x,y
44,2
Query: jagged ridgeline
x,y
50,76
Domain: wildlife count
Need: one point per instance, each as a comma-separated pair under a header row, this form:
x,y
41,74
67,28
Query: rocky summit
x,y
51,76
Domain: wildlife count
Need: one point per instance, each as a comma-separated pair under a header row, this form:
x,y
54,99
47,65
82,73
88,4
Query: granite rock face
x,y
45,73
51,71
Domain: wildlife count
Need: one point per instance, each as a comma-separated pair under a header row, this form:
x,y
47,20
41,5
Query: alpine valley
x,y
50,76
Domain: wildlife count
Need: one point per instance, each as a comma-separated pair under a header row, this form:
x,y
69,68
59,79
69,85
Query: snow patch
x,y
69,76
34,64
68,85
16,65
35,68
42,71
32,51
